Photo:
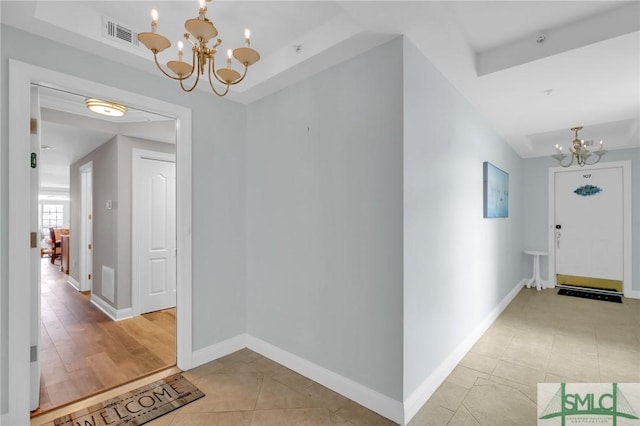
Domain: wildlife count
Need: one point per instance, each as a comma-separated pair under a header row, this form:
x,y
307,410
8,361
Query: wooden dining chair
x,y
56,244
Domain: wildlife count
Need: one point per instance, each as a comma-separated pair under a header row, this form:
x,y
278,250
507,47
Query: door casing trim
x,y
86,267
21,76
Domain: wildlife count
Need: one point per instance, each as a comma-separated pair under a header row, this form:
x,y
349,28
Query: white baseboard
x,y
369,398
218,350
113,313
75,284
422,394
397,411
373,400
633,294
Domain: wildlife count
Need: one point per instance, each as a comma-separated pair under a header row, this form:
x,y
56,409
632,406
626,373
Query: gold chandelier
x,y
200,31
579,152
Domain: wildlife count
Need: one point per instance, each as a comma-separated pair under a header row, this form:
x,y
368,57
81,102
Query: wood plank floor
x,y
84,352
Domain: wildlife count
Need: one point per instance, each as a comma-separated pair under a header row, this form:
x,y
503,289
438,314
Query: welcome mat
x,y
589,295
138,406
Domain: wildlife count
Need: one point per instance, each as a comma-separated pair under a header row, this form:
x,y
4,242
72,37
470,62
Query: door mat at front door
x,y
590,295
138,406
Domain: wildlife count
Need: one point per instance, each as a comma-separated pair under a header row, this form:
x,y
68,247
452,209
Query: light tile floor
x,y
540,337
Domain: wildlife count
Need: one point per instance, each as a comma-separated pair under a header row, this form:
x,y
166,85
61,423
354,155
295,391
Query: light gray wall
x,y
324,218
218,170
457,265
536,178
105,222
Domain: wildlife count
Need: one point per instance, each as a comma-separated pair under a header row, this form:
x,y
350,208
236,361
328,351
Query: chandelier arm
x,y
211,70
215,75
570,162
591,164
193,62
226,90
155,57
246,68
188,90
193,67
192,87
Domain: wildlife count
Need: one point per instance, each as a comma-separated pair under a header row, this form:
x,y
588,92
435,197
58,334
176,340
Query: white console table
x,y
536,268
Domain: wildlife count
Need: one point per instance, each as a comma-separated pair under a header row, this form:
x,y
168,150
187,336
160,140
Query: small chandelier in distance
x,y
579,152
200,31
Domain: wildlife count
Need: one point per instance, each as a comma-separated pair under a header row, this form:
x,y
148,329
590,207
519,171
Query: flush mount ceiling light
x,y
199,31
579,152
105,108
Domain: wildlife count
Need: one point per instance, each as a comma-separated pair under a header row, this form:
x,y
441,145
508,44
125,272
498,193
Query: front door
x,y
588,228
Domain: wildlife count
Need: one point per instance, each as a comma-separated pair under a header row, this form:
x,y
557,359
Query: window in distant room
x,y
52,216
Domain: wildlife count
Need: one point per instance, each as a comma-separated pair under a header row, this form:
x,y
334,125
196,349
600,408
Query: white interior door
x,y
154,207
34,401
86,227
589,217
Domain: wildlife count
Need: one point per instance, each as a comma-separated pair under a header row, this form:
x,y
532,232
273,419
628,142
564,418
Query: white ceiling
x,y
585,72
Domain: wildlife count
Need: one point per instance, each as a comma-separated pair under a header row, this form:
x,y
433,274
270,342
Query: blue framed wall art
x,y
496,191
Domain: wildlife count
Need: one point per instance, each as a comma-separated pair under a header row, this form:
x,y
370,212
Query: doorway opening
x,y
21,297
82,349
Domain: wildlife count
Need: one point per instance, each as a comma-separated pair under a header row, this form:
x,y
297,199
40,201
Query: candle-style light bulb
x,y
203,9
601,145
154,20
229,54
180,47
247,36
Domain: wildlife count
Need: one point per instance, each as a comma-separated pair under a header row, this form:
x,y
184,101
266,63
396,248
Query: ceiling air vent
x,y
116,31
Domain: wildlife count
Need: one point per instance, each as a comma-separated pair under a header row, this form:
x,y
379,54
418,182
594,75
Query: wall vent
x,y
119,32
588,143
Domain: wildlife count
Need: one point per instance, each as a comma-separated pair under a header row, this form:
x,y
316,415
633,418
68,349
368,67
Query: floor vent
x,y
115,31
108,283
